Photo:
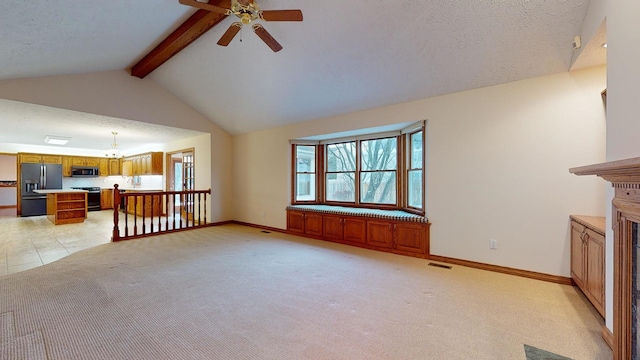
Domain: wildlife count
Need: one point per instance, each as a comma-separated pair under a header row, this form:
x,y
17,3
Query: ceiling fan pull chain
x,y
241,32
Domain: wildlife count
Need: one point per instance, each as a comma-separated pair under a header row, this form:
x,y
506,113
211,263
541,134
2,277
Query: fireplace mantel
x,y
625,177
625,171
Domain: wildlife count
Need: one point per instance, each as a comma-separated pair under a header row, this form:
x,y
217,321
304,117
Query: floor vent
x,y
266,232
440,265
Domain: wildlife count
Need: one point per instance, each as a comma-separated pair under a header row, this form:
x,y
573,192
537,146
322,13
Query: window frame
x,y
403,167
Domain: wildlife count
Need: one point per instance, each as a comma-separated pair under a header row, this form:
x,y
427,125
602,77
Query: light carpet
x,y
233,292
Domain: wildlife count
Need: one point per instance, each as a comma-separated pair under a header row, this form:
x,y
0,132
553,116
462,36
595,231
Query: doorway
x,y
181,177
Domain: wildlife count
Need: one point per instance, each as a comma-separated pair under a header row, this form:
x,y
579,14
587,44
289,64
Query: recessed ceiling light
x,y
56,140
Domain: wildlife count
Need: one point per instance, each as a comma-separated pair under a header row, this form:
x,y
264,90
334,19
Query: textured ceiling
x,y
345,56
87,131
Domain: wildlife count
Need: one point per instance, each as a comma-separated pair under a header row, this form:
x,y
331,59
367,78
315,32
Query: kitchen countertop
x,y
58,191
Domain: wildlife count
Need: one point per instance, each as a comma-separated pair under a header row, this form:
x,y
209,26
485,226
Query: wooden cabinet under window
x,y
397,236
587,257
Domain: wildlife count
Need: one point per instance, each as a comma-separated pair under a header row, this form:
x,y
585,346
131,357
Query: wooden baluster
x,y
144,222
166,207
126,215
116,200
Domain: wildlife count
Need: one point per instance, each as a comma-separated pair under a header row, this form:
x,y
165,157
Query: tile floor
x,y
28,242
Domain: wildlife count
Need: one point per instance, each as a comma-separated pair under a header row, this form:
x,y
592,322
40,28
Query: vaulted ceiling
x,y
344,57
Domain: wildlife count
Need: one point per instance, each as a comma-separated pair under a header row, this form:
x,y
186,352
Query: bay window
x,y
383,171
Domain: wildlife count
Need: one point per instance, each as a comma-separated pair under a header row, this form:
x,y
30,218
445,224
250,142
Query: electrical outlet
x,y
493,244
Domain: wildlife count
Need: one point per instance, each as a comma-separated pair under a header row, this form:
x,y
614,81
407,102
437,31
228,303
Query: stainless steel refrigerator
x,y
38,177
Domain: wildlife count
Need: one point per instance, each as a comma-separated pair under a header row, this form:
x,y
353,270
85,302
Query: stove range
x,y
93,197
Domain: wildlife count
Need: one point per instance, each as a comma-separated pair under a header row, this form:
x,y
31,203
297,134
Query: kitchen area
x,y
42,176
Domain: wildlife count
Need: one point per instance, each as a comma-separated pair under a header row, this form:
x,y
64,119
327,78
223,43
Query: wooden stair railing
x,y
146,213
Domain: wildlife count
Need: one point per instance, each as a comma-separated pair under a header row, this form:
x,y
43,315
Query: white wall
x,y
8,167
117,94
623,125
498,167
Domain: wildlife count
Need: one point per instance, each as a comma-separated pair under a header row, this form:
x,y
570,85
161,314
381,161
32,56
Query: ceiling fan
x,y
248,11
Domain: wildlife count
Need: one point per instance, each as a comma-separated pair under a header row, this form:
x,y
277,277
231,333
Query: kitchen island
x,y
65,206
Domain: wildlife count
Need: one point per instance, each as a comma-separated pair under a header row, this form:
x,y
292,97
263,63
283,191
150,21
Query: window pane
x,y
341,157
306,187
341,187
305,158
379,154
414,189
416,150
378,187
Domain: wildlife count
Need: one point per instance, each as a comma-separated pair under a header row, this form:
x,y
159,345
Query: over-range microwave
x,y
84,171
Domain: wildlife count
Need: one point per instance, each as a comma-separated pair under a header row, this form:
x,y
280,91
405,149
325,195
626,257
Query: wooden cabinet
x,y
145,205
403,237
106,199
66,166
143,164
103,167
115,167
39,158
85,161
380,233
67,207
587,258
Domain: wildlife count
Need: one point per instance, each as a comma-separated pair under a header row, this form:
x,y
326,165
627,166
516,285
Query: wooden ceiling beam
x,y
194,27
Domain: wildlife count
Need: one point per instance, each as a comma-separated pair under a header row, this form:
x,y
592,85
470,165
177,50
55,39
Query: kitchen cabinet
x,y
66,166
106,199
67,207
39,158
145,205
587,258
143,164
85,161
103,167
115,167
390,235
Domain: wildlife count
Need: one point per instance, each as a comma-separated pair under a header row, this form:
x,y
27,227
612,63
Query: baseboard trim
x,y
505,270
8,206
472,264
607,335
268,228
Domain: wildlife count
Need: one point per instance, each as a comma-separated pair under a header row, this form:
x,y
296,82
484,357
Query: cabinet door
x,y
137,166
380,233
52,159
333,227
30,158
106,199
577,254
114,167
295,221
410,237
595,268
156,163
355,230
91,161
313,224
103,168
127,167
77,161
66,166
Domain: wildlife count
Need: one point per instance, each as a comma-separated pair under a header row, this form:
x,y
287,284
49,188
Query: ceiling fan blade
x,y
266,37
205,6
281,15
230,34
